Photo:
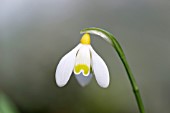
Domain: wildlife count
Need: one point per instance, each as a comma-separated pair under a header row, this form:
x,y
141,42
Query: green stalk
x,y
111,39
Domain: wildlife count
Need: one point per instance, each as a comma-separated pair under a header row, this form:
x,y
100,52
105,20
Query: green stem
x,y
111,39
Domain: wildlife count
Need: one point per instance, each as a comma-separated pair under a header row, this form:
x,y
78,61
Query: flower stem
x,y
112,40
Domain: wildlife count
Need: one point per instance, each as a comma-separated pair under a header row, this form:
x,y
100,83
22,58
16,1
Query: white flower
x,y
82,60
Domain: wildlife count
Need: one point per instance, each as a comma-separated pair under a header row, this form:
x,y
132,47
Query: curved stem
x,y
111,39
133,83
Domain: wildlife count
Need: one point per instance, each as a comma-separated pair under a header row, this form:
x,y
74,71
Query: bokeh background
x,y
35,34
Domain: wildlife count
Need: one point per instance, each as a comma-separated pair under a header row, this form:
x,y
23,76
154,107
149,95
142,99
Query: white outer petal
x,y
65,67
100,69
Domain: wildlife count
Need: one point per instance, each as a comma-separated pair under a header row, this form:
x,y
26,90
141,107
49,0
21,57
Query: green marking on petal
x,y
83,67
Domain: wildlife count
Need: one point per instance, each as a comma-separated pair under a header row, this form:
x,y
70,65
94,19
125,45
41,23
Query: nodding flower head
x,y
84,62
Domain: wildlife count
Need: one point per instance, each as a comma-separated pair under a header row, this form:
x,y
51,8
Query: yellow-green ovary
x,y
83,67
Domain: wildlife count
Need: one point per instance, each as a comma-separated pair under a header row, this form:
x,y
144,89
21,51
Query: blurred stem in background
x,y
111,39
6,105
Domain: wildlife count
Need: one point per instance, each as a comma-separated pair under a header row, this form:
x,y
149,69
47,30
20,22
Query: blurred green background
x,y
35,34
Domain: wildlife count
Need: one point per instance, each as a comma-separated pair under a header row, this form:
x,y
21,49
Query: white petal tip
x,y
60,84
104,85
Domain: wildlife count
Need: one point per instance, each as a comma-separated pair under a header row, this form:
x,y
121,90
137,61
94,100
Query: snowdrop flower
x,y
84,62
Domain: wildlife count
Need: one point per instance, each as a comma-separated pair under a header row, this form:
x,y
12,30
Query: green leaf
x,y
6,105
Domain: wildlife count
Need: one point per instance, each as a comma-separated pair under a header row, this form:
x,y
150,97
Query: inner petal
x,y
82,68
82,64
